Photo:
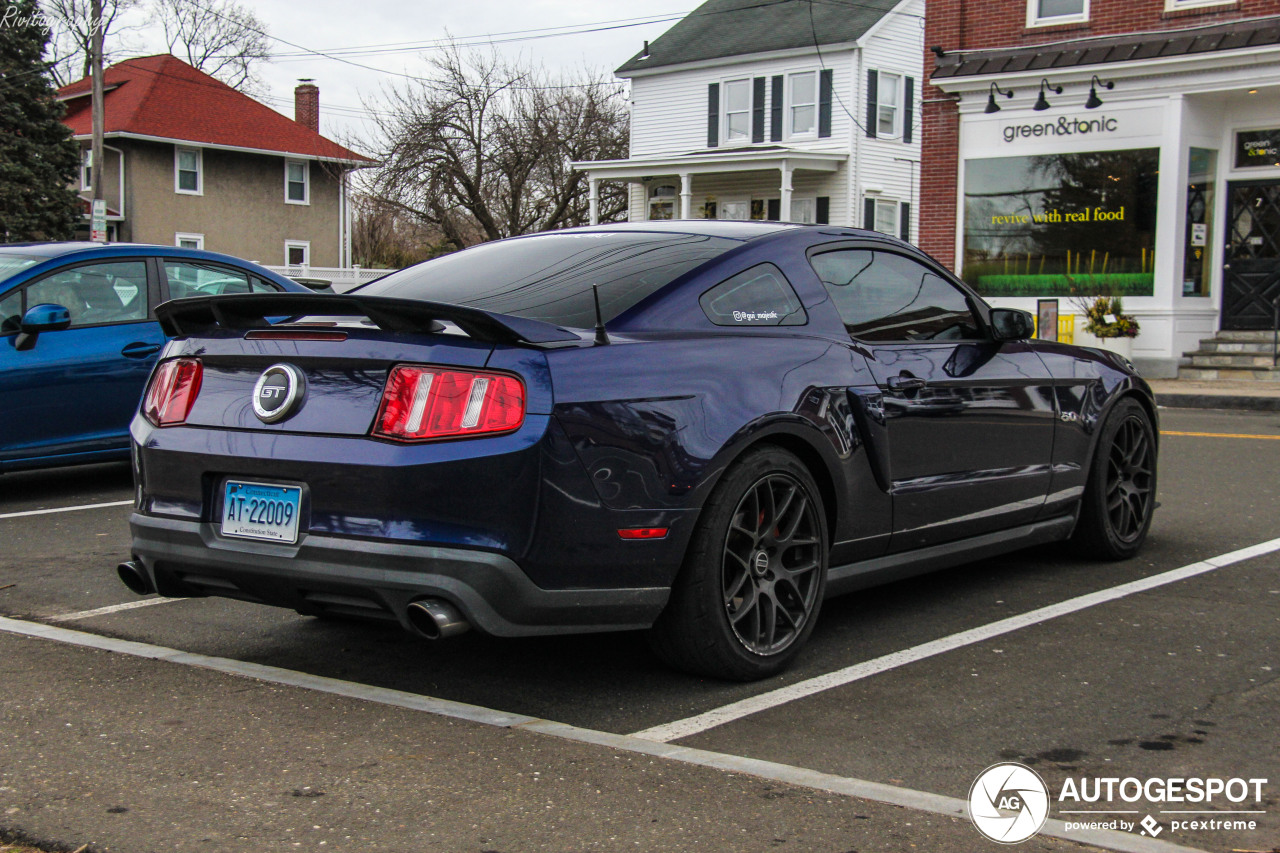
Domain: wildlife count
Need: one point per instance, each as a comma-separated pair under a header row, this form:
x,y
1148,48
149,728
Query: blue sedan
x,y
79,338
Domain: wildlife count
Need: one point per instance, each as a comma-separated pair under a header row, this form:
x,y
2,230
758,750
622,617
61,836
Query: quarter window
x,y
804,101
196,278
882,296
737,110
296,182
760,296
187,171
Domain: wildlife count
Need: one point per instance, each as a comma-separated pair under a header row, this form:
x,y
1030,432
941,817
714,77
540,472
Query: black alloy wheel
x,y
1119,498
771,564
1130,478
748,594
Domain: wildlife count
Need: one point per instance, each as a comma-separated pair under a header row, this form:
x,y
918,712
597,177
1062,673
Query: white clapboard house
x,y
790,110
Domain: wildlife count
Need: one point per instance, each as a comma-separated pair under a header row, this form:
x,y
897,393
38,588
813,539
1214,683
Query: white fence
x,y
342,278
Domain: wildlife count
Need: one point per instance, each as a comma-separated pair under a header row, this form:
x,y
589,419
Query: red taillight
x,y
423,403
173,391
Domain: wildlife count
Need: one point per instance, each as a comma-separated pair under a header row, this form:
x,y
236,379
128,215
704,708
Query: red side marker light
x,y
643,533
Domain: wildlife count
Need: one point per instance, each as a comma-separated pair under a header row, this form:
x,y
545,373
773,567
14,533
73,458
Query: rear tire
x,y
1119,498
748,594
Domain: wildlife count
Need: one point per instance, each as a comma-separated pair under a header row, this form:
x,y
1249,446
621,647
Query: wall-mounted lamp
x,y
992,106
1041,103
1094,101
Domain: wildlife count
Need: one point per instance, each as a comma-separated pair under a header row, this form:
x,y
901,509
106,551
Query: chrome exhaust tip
x,y
134,576
436,619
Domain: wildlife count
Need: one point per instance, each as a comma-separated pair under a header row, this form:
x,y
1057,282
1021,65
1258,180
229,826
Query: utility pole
x,y
98,228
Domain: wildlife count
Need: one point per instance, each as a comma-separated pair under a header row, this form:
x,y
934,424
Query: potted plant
x,y
1105,320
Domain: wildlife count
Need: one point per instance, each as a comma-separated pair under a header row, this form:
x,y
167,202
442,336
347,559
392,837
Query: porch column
x,y
785,202
593,200
686,195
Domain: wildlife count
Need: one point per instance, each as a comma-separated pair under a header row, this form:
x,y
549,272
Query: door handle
x,y
906,382
138,349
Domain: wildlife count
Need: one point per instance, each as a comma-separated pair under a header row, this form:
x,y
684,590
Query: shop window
x,y
1042,13
662,202
760,296
1062,224
1197,262
886,297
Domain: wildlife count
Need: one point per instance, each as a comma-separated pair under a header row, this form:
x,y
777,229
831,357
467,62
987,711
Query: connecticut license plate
x,y
261,511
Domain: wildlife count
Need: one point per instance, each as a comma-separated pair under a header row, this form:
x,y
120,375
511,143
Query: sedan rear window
x,y
549,277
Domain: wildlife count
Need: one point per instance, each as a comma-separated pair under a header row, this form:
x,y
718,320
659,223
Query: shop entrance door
x,y
1251,271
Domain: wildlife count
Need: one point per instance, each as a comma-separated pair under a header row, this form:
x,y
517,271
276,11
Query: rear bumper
x,y
378,579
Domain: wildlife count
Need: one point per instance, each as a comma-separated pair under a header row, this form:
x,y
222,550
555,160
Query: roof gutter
x,y
124,134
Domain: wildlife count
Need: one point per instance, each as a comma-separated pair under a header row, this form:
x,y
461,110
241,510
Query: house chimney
x,y
306,104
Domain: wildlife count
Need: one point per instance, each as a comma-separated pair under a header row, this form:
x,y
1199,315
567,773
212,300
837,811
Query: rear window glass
x,y
549,277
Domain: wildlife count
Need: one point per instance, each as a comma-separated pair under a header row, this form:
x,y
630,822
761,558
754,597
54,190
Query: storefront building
x,y
1063,164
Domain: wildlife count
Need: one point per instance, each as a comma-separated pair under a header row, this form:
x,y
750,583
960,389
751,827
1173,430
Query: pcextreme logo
x,y
1010,803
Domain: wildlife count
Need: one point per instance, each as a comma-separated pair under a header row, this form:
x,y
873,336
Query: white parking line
x,y
875,791
64,509
754,704
114,608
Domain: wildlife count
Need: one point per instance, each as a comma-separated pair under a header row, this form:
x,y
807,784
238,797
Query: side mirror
x,y
1009,324
40,318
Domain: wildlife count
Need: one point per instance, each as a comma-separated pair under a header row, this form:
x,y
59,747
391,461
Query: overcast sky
x,y
388,25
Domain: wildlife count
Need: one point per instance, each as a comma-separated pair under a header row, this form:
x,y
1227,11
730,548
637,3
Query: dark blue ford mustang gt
x,y
699,429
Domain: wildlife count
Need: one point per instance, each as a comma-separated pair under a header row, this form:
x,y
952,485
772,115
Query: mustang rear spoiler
x,y
202,314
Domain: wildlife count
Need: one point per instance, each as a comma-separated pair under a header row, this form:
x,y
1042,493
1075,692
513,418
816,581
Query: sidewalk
x,y
133,755
1217,394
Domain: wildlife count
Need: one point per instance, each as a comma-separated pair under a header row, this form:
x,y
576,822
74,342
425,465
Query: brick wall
x,y
986,24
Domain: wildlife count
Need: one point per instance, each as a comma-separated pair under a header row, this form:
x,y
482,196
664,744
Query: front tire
x,y
748,595
1119,498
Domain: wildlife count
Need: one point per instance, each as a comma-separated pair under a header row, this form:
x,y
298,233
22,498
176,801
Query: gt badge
x,y
278,392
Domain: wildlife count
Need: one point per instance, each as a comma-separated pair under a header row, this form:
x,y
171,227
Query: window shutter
x,y
908,109
757,109
774,213
713,115
873,102
869,214
775,110
904,221
822,211
824,102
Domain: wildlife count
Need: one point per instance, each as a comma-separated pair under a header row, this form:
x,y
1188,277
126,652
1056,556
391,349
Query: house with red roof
x,y
190,161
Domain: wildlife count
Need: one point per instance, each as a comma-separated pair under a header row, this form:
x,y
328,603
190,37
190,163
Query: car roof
x,y
72,249
732,229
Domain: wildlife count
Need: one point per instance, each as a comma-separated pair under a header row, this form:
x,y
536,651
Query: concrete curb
x,y
1239,402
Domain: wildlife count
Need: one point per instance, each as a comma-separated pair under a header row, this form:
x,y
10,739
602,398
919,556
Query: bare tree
x,y
220,37
73,30
384,236
482,151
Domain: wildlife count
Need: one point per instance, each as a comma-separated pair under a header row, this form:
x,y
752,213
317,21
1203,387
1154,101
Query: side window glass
x,y
760,296
260,286
195,278
10,312
96,294
886,297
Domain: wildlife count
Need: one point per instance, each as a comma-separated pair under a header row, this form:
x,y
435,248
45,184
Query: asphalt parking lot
x,y
1176,679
